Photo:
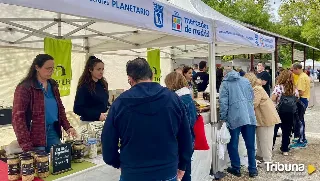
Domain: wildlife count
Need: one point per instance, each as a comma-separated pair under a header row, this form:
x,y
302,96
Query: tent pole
x,y
304,57
273,64
313,59
86,47
292,52
251,63
59,26
215,123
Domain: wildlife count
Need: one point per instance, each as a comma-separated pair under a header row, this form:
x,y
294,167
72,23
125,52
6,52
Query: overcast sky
x,y
275,4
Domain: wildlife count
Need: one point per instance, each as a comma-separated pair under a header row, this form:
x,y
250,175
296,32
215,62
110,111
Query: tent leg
x,y
213,113
273,64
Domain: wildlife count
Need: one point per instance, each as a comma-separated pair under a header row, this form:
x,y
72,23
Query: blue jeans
x,y
169,179
52,138
249,134
303,127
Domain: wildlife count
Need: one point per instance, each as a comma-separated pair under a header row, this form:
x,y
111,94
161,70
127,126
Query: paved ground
x,y
309,155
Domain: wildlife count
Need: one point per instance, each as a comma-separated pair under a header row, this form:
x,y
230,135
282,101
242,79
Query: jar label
x,y
13,169
78,154
43,167
27,169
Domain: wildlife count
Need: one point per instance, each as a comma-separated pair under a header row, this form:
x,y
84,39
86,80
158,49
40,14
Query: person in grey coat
x,y
237,110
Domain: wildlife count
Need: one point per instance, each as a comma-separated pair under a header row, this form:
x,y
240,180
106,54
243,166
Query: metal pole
x,y
276,58
304,57
213,107
313,60
86,47
251,63
59,26
273,64
292,52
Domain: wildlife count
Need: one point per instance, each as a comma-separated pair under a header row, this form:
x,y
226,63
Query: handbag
x,y
200,142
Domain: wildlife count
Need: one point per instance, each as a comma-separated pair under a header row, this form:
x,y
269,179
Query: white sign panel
x,y
228,33
149,14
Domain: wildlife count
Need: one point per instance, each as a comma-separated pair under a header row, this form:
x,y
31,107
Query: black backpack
x,y
287,104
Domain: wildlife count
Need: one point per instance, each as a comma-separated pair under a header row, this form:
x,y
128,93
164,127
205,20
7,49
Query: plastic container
x,y
93,150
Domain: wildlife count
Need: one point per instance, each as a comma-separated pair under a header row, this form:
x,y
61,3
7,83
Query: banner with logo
x,y
227,33
153,58
148,14
60,50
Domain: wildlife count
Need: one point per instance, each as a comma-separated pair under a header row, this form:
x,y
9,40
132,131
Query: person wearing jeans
x,y
236,108
248,133
303,86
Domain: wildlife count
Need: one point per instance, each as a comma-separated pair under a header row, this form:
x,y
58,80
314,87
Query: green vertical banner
x,y
153,58
60,50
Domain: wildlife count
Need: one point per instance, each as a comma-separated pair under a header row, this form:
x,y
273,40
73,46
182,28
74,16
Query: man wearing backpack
x,y
303,86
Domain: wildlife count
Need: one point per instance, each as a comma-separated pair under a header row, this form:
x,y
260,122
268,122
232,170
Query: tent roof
x,y
24,27
231,37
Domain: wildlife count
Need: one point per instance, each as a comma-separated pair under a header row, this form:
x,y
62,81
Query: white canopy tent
x,y
103,27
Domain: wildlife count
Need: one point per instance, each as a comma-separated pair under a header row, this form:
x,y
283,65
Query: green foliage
x,y
299,20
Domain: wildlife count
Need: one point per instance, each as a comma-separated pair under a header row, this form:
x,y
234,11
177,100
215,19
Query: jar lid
x,y
42,153
25,155
26,158
12,157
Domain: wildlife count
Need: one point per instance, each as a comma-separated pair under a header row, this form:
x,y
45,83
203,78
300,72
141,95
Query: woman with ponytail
x,y
91,102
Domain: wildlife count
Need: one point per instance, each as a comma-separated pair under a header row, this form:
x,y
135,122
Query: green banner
x,y
153,58
60,50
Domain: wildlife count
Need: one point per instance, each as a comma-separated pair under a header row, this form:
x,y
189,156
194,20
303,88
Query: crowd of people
x,y
149,129
249,107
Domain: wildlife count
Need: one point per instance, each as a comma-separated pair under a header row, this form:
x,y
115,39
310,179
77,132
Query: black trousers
x,y
286,127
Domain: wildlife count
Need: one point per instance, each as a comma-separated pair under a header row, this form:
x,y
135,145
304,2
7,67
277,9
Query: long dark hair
x,y
86,77
39,61
286,79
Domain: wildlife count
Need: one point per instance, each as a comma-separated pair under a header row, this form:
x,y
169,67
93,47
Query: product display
x,y
98,137
42,164
93,150
27,168
13,167
78,151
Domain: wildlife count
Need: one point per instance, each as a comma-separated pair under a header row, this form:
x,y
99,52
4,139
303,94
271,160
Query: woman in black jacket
x,y
91,102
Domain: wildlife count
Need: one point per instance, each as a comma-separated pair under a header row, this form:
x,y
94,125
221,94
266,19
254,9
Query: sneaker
x,y
297,140
252,175
234,172
298,145
285,153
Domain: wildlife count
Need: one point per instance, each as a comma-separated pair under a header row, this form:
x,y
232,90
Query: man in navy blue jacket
x,y
151,123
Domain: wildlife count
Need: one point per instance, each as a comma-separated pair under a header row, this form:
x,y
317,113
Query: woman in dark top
x,y
91,102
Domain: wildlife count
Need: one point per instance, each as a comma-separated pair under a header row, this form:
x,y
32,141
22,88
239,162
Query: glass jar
x,y
13,167
42,166
78,151
93,150
27,168
98,137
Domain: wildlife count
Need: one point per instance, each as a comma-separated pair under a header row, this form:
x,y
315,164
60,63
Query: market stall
x,y
25,28
153,22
